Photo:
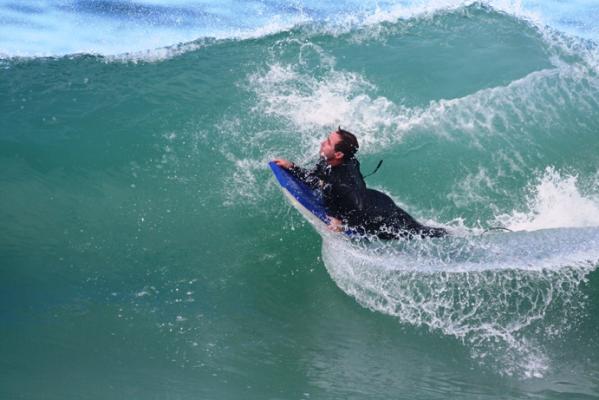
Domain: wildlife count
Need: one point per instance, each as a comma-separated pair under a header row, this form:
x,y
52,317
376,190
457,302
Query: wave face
x,y
146,246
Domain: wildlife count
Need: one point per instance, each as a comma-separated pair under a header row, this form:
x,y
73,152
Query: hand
x,y
335,225
283,163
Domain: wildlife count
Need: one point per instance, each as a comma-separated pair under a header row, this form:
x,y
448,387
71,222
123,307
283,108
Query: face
x,y
327,147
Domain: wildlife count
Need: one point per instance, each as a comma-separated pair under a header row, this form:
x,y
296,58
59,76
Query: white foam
x,y
320,104
555,201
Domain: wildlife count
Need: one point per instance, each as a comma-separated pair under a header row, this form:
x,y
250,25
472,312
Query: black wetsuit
x,y
364,210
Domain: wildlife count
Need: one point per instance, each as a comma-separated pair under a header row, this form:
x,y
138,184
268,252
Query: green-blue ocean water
x,y
147,252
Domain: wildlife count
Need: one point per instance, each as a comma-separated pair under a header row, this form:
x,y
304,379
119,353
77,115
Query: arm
x,y
309,177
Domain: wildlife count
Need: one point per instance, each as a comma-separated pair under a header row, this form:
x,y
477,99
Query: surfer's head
x,y
338,146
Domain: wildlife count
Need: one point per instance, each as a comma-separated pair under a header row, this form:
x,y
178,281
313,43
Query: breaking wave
x,y
156,30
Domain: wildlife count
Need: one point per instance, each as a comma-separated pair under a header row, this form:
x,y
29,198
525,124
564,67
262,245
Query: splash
x,y
505,295
494,293
320,103
555,201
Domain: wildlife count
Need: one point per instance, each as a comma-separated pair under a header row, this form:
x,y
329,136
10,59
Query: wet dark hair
x,y
348,144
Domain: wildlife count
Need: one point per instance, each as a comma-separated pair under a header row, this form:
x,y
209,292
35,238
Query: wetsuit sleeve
x,y
309,177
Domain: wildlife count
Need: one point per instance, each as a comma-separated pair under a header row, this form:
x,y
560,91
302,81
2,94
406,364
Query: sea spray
x,y
554,201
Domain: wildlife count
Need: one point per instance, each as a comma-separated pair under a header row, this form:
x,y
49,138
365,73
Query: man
x,y
347,200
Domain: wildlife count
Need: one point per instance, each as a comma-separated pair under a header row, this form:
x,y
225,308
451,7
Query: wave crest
x,y
118,28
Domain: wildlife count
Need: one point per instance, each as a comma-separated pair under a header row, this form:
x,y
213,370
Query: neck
x,y
335,162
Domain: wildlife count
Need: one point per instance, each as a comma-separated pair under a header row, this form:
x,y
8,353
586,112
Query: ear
x,y
339,155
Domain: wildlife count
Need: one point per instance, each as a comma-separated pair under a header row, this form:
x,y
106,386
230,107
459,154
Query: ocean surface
x,y
146,251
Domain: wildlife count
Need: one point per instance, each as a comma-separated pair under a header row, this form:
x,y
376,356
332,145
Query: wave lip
x,y
112,27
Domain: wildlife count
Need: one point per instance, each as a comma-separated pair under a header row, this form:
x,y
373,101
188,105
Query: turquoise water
x,y
147,252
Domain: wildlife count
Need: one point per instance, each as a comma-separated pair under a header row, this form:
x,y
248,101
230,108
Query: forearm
x,y
306,176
